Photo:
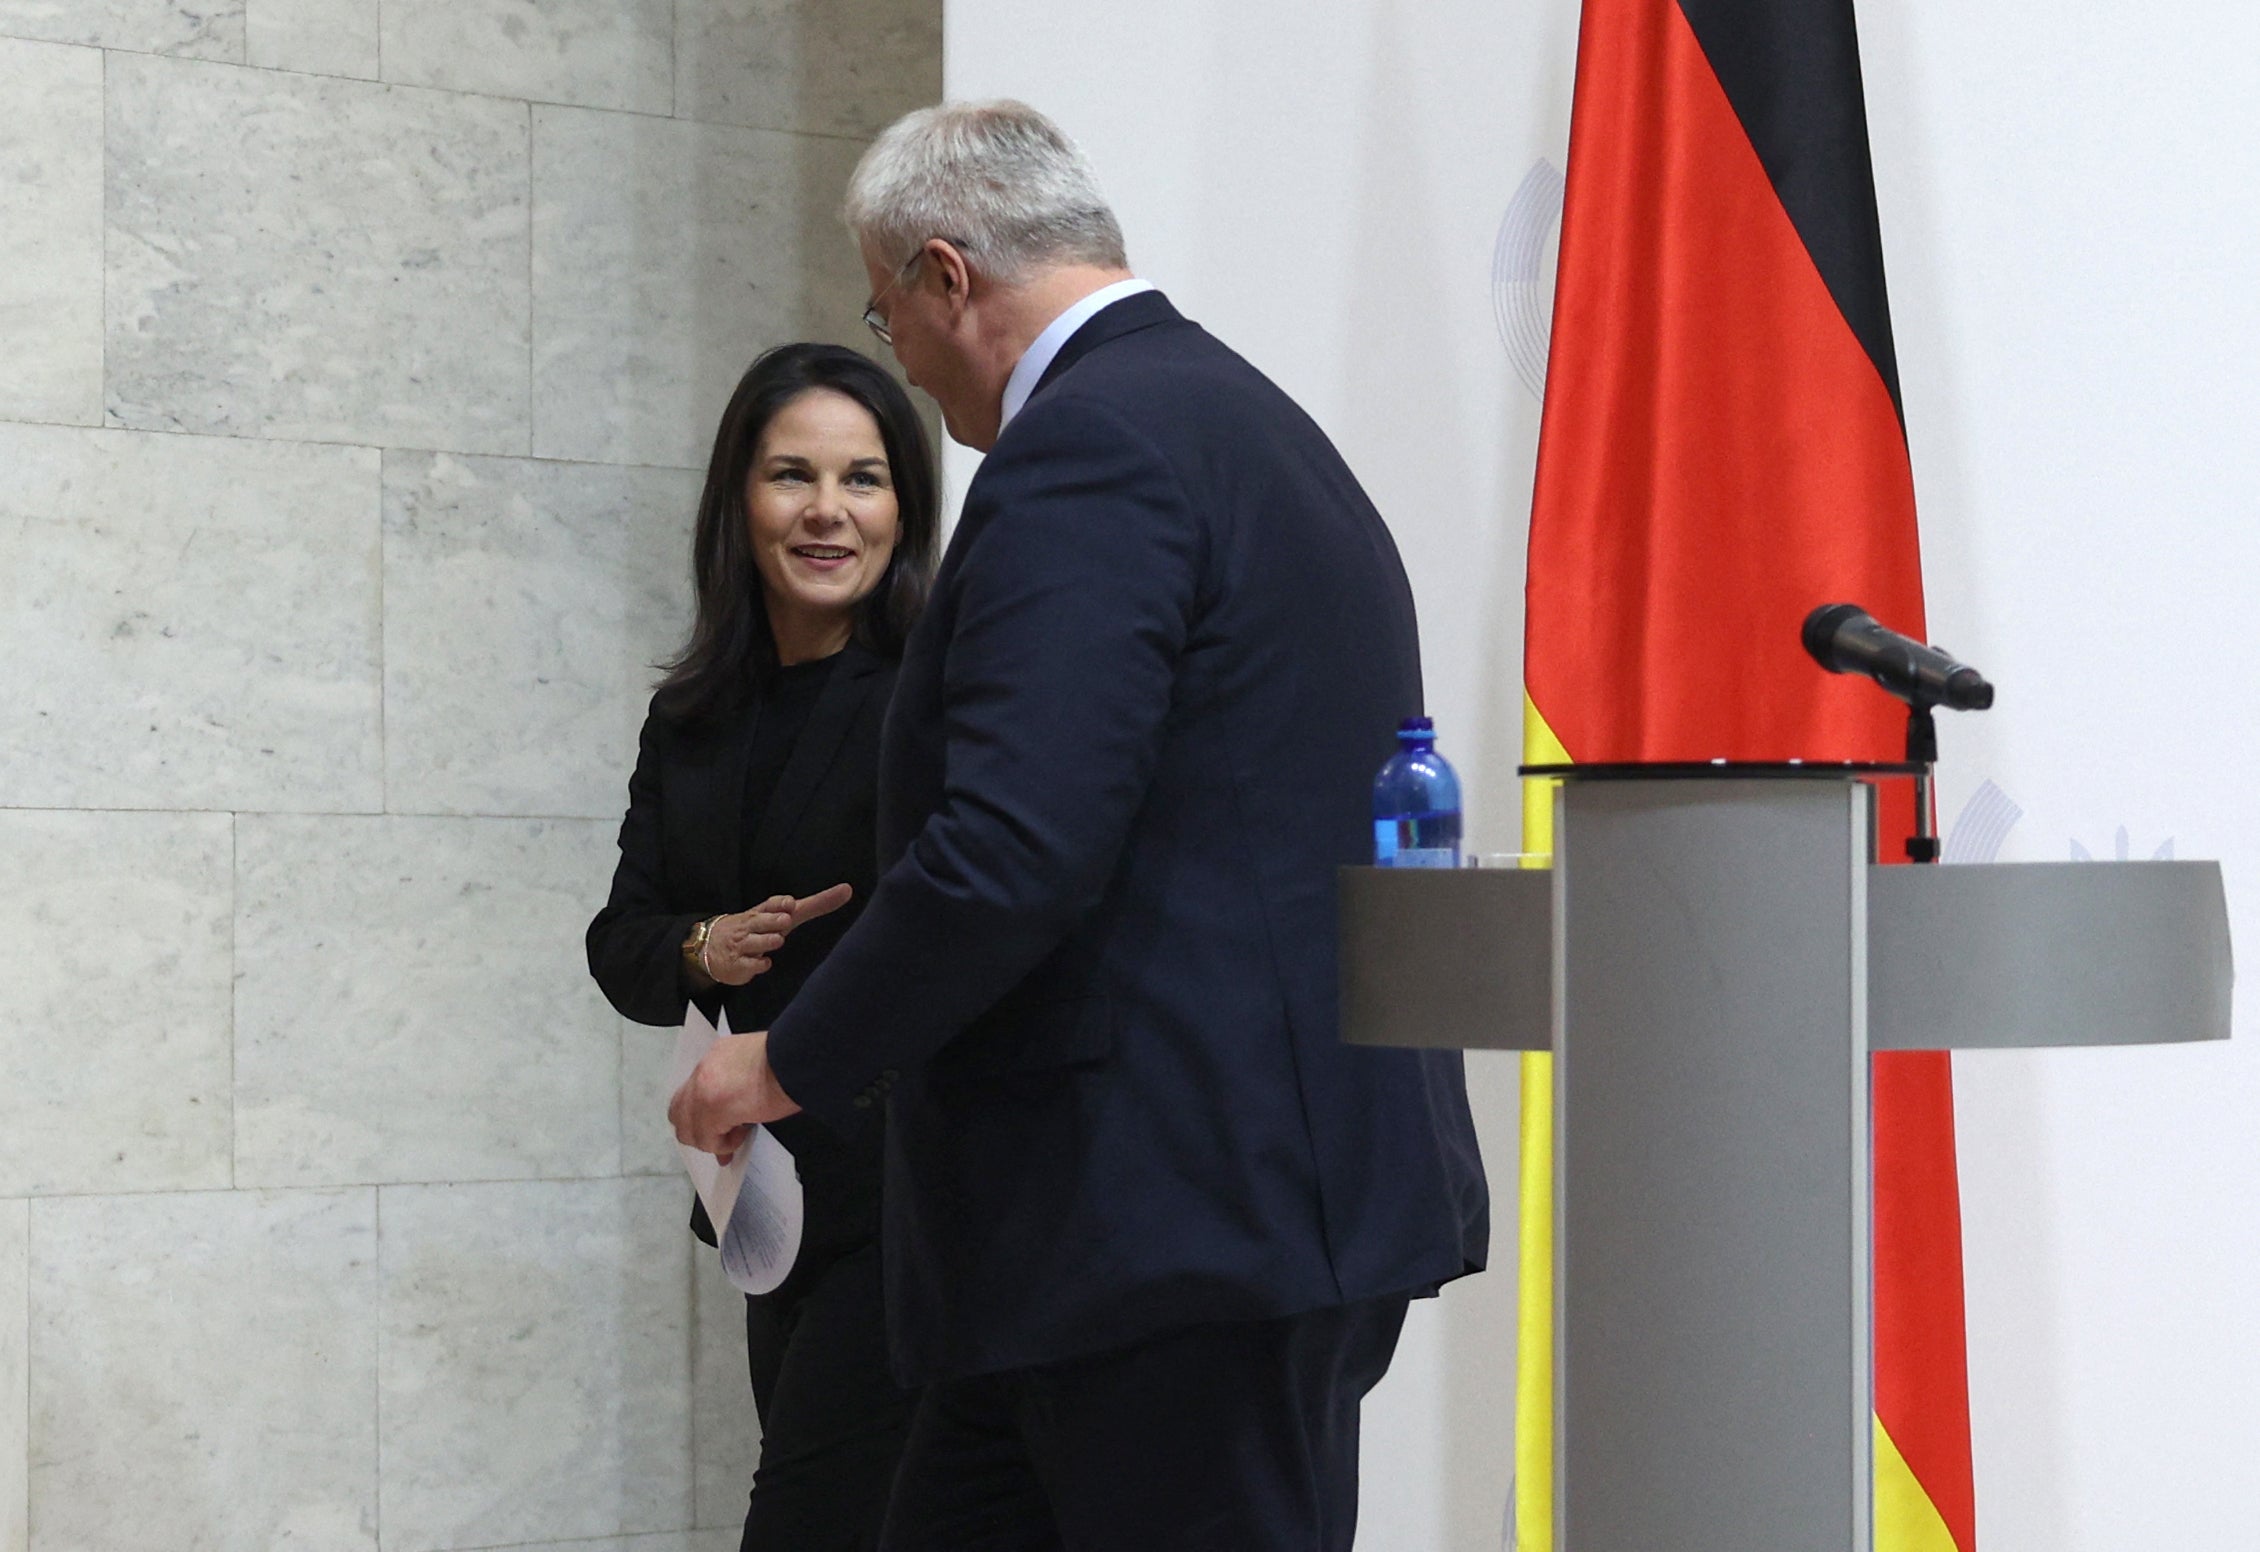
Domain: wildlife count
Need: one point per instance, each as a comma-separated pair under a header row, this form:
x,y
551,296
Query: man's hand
x,y
738,946
730,1092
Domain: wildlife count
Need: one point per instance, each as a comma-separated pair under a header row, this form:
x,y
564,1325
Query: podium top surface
x,y
1724,770
1996,955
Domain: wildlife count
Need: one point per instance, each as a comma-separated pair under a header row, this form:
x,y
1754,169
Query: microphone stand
x,y
1922,750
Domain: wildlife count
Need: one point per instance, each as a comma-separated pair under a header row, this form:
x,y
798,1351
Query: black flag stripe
x,y
1791,70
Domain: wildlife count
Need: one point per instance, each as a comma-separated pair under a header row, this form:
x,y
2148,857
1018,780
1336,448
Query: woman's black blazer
x,y
682,850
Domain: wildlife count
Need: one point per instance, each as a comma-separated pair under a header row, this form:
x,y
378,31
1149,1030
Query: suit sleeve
x,y
1072,607
635,942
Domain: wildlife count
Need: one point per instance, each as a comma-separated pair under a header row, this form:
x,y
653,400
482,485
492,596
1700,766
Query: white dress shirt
x,y
1030,369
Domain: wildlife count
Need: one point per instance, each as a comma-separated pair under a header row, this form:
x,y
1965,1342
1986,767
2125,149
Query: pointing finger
x,y
810,907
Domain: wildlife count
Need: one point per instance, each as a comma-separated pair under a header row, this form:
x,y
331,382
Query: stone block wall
x,y
357,360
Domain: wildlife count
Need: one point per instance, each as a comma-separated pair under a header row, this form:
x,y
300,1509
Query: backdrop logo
x,y
1521,300
1983,824
1986,819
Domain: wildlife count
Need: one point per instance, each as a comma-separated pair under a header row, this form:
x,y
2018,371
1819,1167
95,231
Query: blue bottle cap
x,y
1416,725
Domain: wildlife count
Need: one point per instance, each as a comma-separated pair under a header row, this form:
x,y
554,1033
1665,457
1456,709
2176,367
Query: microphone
x,y
1845,639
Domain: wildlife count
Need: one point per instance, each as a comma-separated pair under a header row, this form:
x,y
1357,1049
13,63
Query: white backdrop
x,y
2071,205
1360,195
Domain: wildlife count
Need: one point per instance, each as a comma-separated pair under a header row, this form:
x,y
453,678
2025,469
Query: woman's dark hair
x,y
731,651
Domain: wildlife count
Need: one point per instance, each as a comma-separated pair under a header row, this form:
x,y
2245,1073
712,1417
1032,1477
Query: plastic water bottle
x,y
1416,803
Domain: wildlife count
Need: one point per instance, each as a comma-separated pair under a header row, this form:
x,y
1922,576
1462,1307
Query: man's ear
x,y
956,275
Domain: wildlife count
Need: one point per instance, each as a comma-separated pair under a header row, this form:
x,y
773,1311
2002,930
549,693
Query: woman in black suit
x,y
751,805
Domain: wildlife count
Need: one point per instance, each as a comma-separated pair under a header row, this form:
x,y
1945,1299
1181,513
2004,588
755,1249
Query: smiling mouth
x,y
822,552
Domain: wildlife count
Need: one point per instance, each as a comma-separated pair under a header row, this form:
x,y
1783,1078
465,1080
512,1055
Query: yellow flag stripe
x,y
1905,1518
1539,747
1534,1328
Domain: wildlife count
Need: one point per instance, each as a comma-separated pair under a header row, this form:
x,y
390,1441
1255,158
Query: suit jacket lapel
x,y
829,722
1127,316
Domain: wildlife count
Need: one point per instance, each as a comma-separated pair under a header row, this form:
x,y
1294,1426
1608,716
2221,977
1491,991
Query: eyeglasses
x,y
872,318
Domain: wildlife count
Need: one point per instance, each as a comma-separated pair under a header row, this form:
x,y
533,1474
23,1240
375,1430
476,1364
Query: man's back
x,y
1134,738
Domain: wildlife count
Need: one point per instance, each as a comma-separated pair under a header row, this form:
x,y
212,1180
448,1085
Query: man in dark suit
x,y
1150,1227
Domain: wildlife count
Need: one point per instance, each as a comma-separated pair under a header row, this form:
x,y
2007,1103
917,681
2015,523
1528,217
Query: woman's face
x,y
820,510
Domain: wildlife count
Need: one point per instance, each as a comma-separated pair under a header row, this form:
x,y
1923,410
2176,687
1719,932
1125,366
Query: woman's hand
x,y
738,947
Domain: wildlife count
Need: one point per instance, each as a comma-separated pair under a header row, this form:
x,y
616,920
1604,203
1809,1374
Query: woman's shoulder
x,y
668,729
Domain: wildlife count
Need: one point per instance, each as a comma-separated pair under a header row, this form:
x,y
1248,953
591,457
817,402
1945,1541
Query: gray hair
x,y
997,177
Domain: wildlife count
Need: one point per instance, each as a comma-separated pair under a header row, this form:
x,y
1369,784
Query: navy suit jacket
x,y
1134,735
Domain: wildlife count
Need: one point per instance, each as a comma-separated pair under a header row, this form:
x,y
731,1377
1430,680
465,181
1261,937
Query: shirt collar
x,y
1031,367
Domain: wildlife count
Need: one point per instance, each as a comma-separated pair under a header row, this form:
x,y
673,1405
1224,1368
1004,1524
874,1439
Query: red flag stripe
x,y
1718,455
1922,1383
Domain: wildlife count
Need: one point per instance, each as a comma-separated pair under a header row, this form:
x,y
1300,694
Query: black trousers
x,y
1234,1437
832,1418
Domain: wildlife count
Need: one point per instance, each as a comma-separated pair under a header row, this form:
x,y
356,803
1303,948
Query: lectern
x,y
1711,958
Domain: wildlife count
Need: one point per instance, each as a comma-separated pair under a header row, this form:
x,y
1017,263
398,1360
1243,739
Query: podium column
x,y
1711,1253
1710,960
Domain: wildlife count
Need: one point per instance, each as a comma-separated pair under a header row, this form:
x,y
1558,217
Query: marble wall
x,y
357,358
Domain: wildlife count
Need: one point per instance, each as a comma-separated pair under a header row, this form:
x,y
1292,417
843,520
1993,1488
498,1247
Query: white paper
x,y
754,1201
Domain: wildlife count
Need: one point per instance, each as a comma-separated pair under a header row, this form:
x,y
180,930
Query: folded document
x,y
756,1195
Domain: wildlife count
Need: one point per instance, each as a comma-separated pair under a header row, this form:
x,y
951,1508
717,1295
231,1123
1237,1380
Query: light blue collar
x,y
1031,367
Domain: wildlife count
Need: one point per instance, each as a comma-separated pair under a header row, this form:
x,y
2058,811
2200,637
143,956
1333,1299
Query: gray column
x,y
1711,1092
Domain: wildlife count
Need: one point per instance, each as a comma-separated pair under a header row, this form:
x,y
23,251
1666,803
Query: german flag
x,y
1722,450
